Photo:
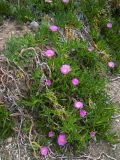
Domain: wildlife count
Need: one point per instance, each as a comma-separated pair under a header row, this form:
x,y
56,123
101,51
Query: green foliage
x,y
23,13
29,10
99,13
53,107
5,123
15,45
5,8
1,20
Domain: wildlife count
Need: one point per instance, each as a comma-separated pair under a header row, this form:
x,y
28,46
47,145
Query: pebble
x,y
34,25
9,140
117,120
114,146
12,32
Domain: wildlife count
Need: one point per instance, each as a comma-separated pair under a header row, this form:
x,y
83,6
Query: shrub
x,y
51,97
52,106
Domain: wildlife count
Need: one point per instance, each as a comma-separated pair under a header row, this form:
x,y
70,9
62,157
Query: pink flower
x,y
83,113
51,134
111,64
49,53
43,151
75,81
109,25
65,69
78,104
48,82
92,134
65,1
53,28
90,49
62,139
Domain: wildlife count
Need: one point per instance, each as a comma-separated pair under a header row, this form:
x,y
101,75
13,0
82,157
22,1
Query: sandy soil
x,y
11,28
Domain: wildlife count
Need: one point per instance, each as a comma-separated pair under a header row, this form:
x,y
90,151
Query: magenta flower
x,y
65,69
83,113
48,82
75,81
49,53
65,1
53,28
111,64
92,134
90,49
51,134
109,25
78,104
43,151
61,139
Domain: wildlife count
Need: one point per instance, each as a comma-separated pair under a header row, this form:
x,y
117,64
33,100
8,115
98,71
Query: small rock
x,y
117,120
9,140
48,1
17,32
114,147
34,25
12,32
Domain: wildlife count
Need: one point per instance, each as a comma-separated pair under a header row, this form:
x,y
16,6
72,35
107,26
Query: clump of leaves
x,y
30,10
5,123
5,8
1,20
100,13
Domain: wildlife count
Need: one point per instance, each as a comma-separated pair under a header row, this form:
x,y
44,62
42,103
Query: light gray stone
x,y
34,25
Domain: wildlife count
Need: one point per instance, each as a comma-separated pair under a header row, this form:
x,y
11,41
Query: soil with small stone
x,y
9,29
15,149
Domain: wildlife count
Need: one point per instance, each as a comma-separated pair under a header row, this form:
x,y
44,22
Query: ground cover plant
x,y
104,18
5,123
66,75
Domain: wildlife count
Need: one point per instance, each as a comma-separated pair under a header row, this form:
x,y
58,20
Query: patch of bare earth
x,y
17,147
11,28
